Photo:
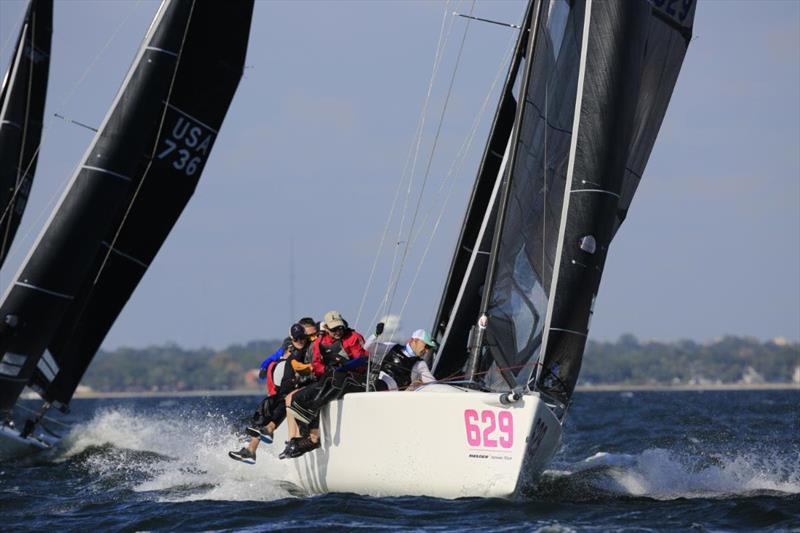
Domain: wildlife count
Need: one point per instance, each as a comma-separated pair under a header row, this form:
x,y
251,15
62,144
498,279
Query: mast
x,y
503,364
22,100
135,179
459,303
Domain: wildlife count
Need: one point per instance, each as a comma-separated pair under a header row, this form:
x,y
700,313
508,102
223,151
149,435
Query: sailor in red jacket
x,y
339,360
338,346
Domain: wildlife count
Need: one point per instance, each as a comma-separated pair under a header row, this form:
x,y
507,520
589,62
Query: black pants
x,y
271,409
307,402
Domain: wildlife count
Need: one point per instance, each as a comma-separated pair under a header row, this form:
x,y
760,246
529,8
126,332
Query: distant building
x,y
779,341
750,376
796,375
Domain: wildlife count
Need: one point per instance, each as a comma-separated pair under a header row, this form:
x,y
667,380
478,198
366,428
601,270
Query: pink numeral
x,y
506,422
473,430
488,441
491,422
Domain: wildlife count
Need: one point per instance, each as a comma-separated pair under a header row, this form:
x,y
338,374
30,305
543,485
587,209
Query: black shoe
x,y
263,435
290,449
302,446
244,455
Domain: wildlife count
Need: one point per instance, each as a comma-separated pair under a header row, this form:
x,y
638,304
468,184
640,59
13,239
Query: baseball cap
x,y
422,335
297,332
333,319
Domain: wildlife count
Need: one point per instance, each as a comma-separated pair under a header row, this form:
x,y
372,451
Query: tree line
x,y
625,361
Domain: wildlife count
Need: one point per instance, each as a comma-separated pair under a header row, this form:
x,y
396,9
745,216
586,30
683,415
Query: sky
x,y
290,212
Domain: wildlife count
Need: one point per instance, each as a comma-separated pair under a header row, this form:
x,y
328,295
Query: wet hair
x,y
308,321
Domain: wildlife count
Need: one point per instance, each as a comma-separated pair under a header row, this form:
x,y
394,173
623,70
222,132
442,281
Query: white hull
x,y
13,446
439,441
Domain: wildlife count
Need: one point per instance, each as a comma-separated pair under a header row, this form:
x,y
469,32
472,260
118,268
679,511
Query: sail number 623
x,y
488,429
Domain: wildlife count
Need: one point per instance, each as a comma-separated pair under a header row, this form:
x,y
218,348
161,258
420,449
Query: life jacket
x,y
277,370
329,353
398,365
333,354
274,382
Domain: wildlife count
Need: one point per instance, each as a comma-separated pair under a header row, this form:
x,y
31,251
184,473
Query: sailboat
x,y
22,99
583,100
121,203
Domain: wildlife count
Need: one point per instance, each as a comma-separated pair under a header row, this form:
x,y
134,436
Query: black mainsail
x,y
135,180
22,99
601,78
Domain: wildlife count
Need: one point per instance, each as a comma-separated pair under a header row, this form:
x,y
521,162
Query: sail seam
x,y
11,123
46,291
187,115
157,49
567,187
106,171
596,190
570,331
126,256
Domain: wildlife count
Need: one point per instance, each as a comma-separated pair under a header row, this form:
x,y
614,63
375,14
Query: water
x,y
707,461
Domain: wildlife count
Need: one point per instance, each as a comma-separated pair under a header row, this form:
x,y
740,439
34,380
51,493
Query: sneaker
x,y
302,446
244,455
263,435
290,448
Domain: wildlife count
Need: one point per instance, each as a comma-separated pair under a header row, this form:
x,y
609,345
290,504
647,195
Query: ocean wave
x,y
668,474
174,456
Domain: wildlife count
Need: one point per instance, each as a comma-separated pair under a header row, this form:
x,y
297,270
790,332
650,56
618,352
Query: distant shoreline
x,y
580,388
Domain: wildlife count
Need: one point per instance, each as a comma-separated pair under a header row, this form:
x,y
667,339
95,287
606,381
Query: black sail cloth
x,y
22,100
634,54
135,180
601,78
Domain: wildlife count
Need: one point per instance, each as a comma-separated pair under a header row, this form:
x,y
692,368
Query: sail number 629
x,y
488,429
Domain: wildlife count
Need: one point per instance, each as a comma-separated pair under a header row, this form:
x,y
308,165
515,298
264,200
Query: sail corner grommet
x,y
11,321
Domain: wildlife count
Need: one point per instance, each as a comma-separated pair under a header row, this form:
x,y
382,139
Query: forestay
x,y
22,99
123,200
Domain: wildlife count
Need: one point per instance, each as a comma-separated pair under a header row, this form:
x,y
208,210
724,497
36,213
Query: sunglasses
x,y
338,329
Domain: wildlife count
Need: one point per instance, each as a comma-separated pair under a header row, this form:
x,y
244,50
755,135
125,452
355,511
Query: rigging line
x,y
506,24
433,152
442,44
459,161
402,177
33,411
461,155
48,121
396,270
